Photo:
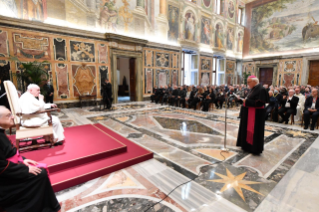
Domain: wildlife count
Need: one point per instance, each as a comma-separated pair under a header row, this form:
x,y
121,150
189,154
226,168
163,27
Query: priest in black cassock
x,y
23,186
252,122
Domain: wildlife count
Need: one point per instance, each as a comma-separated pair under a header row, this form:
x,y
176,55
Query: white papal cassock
x,y
300,107
29,104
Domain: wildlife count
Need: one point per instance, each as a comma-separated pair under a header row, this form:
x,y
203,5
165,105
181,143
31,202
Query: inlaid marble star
x,y
296,133
235,182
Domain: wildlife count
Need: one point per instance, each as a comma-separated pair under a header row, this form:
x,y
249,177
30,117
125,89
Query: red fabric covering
x,y
76,161
251,124
83,144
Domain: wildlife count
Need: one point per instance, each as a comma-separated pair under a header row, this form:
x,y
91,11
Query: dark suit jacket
x,y
293,103
308,103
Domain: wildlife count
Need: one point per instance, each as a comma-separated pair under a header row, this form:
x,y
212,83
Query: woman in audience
x,y
220,98
210,98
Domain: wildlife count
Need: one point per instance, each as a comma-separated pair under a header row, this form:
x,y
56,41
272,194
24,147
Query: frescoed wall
x,y
283,26
205,74
160,21
230,72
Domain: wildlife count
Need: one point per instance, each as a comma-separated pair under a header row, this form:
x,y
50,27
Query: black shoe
x,y
306,127
58,143
312,128
282,121
286,122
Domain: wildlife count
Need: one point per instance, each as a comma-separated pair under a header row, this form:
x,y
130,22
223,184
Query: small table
x,y
81,97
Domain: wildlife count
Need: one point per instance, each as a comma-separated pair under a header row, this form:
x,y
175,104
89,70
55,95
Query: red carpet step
x,y
89,151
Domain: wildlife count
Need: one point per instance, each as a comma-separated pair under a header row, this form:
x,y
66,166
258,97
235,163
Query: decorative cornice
x,y
124,39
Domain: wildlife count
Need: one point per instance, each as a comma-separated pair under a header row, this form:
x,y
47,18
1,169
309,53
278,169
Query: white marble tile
x,y
315,144
191,196
297,191
309,162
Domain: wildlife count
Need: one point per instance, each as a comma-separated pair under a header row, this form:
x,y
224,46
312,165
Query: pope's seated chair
x,y
23,133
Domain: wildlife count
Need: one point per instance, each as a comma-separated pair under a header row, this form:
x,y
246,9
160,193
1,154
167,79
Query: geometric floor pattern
x,y
186,143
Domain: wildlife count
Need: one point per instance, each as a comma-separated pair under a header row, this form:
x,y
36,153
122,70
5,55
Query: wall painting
x,y
284,25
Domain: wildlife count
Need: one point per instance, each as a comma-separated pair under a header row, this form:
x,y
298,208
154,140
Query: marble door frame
x,y
269,65
114,54
305,68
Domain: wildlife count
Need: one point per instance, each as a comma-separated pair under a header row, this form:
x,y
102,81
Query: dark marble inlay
x,y
126,205
185,125
251,197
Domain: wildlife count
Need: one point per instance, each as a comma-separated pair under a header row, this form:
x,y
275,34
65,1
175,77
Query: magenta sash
x,y
18,158
251,123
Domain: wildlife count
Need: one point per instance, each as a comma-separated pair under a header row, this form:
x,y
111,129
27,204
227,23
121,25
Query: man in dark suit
x,y
106,91
49,92
175,95
158,94
289,106
311,108
153,94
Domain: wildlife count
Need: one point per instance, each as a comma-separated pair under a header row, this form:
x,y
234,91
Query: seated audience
x,y
288,106
153,94
30,104
301,103
23,186
307,93
210,98
158,94
220,98
273,103
186,100
311,108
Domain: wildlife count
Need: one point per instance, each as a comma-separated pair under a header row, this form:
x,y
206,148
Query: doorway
x,y
126,79
266,75
313,73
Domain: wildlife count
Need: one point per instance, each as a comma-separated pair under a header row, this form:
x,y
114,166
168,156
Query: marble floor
x,y
187,144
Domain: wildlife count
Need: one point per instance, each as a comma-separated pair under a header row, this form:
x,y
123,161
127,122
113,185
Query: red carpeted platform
x,y
90,151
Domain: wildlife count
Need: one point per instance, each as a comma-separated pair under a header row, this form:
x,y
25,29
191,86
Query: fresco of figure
x,y
189,26
206,31
33,10
173,23
240,42
230,38
109,16
219,39
231,9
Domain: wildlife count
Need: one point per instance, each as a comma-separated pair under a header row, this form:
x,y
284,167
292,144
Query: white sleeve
x,y
31,105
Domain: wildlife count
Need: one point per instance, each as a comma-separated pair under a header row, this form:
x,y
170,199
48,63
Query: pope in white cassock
x,y
29,104
301,104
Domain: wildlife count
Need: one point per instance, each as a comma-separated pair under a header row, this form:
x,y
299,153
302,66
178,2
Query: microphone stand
x,y
225,149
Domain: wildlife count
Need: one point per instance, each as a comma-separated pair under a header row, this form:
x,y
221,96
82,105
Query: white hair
x,y
292,90
255,79
32,85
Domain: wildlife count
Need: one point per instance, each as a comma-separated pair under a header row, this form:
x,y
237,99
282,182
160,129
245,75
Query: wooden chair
x,y
25,134
310,119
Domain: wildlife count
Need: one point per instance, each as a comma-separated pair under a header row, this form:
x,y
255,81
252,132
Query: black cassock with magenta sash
x,y
21,191
252,121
